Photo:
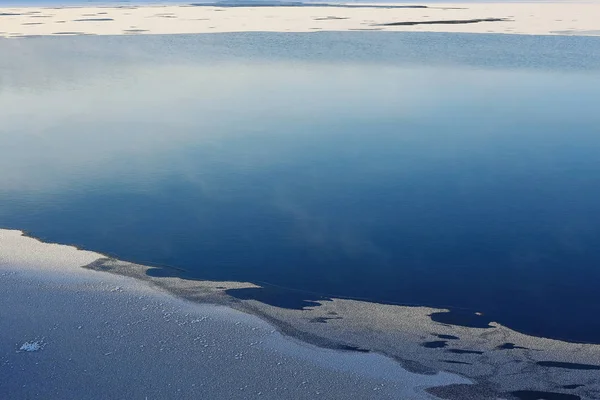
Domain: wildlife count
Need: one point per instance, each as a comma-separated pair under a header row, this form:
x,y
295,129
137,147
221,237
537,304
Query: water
x,y
414,168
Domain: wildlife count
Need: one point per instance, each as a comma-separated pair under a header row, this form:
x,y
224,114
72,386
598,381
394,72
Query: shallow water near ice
x,y
429,169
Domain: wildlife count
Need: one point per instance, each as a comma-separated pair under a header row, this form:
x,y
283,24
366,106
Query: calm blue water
x,y
435,169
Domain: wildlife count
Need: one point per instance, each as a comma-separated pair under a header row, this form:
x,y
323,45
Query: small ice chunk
x,y
32,346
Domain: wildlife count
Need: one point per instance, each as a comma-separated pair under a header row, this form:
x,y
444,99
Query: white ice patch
x,y
32,346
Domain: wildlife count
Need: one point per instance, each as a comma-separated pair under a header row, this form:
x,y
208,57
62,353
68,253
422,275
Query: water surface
x,y
436,169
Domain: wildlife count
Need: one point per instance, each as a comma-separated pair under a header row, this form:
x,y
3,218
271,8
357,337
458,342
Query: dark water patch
x,y
475,391
322,320
135,30
456,362
567,365
436,344
460,351
591,32
231,4
365,29
277,297
462,318
93,20
510,346
32,23
67,33
353,348
19,36
539,395
574,386
7,14
445,22
330,18
449,337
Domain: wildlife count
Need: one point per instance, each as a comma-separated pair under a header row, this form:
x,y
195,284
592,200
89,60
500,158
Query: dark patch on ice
x,y
449,337
353,348
41,16
568,365
538,395
72,33
462,318
456,362
93,19
571,386
460,351
329,18
258,3
277,297
135,30
32,23
7,14
322,320
26,36
445,22
463,391
594,32
164,272
436,344
101,264
510,346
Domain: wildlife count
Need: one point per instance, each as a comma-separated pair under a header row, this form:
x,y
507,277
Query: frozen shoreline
x,y
70,332
41,281
509,18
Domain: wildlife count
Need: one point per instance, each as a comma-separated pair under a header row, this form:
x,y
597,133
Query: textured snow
x,y
538,18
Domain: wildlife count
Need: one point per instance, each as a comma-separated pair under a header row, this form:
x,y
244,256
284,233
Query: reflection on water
x,y
444,170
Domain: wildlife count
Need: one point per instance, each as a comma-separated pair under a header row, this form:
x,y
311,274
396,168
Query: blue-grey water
x,y
416,168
